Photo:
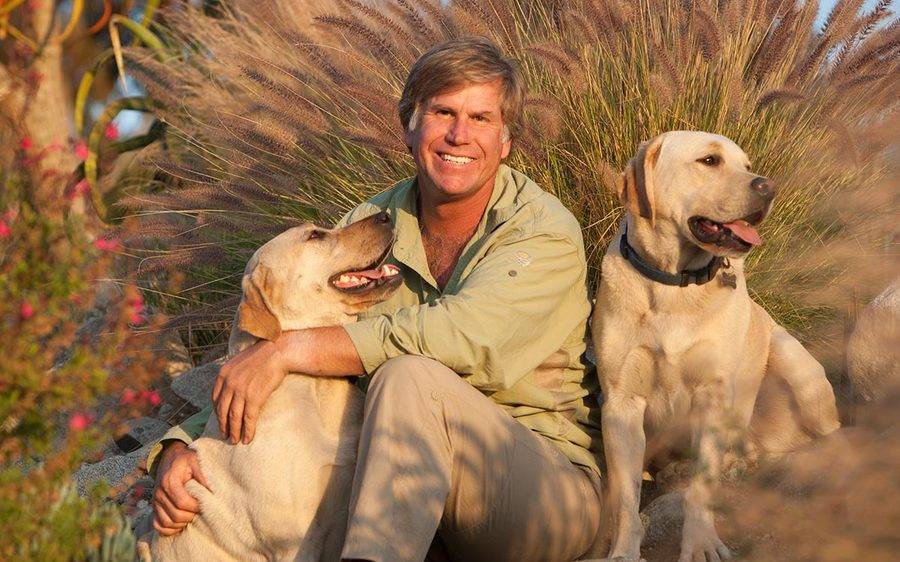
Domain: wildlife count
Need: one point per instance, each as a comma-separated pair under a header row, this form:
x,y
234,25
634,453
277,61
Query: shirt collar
x,y
409,248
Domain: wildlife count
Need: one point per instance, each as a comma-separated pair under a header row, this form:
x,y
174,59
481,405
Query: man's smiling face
x,y
459,141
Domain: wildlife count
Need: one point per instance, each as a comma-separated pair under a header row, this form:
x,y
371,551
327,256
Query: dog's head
x,y
310,276
701,184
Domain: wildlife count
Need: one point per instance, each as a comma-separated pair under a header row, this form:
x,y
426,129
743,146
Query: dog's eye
x,y
711,160
316,234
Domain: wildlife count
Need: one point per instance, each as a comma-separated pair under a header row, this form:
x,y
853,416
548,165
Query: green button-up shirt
x,y
511,320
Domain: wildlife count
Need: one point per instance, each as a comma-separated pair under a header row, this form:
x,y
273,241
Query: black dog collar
x,y
682,279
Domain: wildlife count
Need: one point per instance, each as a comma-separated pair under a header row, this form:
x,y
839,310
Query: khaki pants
x,y
437,455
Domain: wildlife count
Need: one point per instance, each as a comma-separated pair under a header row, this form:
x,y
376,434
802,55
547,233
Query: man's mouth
x,y
454,159
739,235
371,276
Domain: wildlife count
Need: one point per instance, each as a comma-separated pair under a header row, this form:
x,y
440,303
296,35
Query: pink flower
x,y
26,311
26,143
81,150
111,132
136,304
33,5
4,229
128,396
80,421
108,244
151,396
80,188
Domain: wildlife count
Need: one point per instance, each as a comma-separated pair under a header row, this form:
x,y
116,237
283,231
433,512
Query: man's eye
x,y
710,160
316,234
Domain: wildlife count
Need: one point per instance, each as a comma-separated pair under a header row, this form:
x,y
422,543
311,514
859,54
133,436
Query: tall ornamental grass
x,y
271,122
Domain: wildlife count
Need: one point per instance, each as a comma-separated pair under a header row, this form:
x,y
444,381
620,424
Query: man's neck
x,y
454,217
447,226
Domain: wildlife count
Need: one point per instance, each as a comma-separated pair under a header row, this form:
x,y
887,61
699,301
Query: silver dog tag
x,y
728,280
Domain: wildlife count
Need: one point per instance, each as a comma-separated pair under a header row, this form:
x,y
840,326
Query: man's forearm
x,y
324,351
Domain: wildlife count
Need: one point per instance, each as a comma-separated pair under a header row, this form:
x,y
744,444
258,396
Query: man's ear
x,y
635,185
254,315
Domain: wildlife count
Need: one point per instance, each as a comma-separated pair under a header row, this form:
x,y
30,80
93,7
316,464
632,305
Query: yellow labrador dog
x,y
682,349
285,495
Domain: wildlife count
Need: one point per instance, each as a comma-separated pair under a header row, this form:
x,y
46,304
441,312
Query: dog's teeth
x,y
344,279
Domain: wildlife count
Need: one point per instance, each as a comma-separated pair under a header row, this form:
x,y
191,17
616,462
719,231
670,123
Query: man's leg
x,y
435,452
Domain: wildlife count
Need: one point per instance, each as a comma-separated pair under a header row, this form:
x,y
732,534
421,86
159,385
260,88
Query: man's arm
x,y
506,320
246,381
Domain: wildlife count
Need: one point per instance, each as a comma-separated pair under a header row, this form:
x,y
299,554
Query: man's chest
x,y
442,254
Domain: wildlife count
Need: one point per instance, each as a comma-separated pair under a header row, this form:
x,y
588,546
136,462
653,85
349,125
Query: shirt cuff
x,y
368,337
174,434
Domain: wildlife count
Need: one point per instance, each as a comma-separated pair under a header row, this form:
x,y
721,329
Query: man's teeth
x,y
456,159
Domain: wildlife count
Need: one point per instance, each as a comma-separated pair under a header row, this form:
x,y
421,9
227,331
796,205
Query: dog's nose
x,y
764,186
382,218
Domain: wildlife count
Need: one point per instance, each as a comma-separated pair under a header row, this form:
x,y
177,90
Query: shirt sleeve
x,y
189,430
516,308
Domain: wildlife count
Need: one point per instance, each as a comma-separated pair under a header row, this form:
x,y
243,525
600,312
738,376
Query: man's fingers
x,y
235,418
165,531
217,389
222,407
178,505
251,414
196,473
165,520
184,501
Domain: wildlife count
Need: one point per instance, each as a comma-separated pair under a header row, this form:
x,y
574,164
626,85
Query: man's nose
x,y
458,133
764,187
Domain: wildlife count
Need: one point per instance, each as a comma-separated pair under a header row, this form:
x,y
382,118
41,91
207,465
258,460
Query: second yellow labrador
x,y
286,494
682,349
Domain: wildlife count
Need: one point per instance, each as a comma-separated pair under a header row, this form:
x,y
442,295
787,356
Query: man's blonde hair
x,y
456,63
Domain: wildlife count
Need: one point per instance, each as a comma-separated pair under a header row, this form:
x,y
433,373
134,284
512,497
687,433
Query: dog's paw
x,y
701,543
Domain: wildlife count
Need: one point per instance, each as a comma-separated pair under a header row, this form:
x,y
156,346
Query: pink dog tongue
x,y
370,273
745,232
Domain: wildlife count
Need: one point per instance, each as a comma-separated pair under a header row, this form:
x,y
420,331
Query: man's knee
x,y
411,373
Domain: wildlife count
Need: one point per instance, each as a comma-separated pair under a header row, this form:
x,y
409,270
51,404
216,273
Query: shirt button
x,y
513,272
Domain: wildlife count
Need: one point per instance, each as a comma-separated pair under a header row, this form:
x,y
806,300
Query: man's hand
x,y
243,386
173,506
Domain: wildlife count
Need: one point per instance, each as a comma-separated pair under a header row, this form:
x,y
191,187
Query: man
x,y
478,422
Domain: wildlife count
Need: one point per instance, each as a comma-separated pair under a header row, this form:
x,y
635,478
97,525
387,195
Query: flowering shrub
x,y
64,390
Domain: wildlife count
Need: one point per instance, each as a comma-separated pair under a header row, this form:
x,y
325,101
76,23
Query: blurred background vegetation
x,y
180,135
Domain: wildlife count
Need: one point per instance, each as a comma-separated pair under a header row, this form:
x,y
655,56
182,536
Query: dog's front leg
x,y
624,443
699,539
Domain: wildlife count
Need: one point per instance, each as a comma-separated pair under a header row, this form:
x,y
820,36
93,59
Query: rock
x,y
664,518
178,359
113,470
196,385
147,430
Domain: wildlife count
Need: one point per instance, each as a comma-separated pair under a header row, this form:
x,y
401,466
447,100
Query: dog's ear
x,y
635,185
254,314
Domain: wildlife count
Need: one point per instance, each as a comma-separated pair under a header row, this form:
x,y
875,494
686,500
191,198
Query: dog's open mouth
x,y
368,277
739,235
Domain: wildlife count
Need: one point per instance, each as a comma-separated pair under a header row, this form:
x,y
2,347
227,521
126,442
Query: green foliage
x,y
278,126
